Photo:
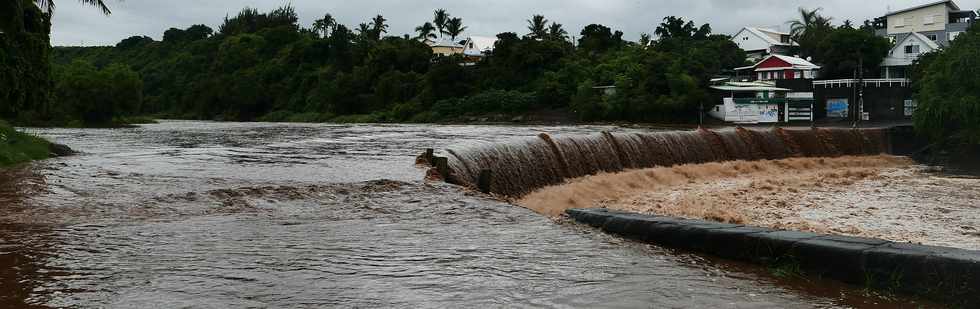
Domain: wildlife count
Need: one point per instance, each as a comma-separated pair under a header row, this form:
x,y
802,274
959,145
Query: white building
x,y
939,21
760,42
905,53
478,46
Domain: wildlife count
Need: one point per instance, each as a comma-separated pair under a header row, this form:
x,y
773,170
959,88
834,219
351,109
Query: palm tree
x,y
324,25
426,31
454,27
557,32
809,20
364,30
49,5
538,26
379,26
440,19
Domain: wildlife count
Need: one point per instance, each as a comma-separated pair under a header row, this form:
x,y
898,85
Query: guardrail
x,y
877,82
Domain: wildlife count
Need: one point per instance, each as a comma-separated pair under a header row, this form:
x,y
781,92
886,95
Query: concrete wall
x,y
948,275
885,103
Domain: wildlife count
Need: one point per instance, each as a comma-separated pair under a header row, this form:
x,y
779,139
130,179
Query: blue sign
x,y
837,108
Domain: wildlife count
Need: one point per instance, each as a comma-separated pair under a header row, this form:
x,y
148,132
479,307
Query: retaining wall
x,y
948,275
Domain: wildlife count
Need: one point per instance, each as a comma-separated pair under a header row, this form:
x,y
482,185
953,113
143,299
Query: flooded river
x,y
233,215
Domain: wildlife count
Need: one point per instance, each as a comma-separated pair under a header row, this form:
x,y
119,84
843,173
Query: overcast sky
x,y
75,24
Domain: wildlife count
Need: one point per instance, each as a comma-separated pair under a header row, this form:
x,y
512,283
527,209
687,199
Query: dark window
x,y
912,49
932,37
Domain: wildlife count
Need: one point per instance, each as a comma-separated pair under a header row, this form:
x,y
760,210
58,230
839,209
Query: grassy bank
x,y
17,147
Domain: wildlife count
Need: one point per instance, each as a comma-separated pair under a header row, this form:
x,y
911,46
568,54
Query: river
x,y
255,215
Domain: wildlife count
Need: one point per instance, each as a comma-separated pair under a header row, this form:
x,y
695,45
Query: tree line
x,y
265,66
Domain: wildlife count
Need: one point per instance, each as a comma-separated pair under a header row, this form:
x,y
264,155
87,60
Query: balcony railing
x,y
876,82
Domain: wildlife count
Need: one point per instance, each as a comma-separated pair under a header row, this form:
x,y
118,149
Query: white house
x,y
478,46
905,53
759,42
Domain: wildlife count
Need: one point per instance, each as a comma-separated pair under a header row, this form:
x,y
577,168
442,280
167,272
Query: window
x,y
899,23
910,106
911,49
928,20
932,37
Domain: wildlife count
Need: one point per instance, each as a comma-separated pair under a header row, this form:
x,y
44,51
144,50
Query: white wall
x,y
746,40
914,21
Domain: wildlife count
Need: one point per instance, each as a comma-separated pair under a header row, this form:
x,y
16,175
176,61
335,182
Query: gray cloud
x,y
75,24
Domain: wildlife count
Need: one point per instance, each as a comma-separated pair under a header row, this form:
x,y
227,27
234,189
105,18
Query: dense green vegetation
x,y
840,50
265,66
17,147
948,92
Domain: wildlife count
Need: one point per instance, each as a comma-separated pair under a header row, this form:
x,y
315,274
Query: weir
x,y
521,166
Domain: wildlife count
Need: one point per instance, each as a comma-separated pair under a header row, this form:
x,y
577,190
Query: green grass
x,y
18,147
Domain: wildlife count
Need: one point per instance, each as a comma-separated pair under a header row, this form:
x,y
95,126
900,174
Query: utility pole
x,y
701,115
860,89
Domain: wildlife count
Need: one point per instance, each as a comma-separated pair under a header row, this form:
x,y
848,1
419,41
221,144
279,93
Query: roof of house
x,y
796,62
893,58
950,3
749,86
443,43
481,45
761,33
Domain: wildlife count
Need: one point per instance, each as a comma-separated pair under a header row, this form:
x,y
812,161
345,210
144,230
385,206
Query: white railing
x,y
877,82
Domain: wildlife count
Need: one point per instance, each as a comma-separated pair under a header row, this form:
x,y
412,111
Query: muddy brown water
x,y
233,215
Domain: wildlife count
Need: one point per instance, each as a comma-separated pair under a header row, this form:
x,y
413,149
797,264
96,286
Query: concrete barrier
x,y
948,275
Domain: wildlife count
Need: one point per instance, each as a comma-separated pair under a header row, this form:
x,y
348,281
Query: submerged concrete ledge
x,y
948,275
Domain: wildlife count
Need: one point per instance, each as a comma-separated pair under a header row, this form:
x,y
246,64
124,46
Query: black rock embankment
x,y
949,275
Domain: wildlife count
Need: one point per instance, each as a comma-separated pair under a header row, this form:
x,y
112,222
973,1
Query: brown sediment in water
x,y
881,196
600,189
522,166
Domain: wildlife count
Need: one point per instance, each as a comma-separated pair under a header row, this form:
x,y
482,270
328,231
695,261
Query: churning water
x,y
524,165
216,215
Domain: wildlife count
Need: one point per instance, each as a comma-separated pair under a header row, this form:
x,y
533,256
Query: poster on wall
x,y
837,108
768,113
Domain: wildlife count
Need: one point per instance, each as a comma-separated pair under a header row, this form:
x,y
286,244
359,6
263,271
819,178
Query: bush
x,y
17,147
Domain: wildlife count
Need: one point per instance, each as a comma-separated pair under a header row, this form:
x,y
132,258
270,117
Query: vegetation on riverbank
x,y
948,93
18,147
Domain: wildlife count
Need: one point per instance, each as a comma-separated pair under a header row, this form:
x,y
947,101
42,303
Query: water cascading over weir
x,y
519,167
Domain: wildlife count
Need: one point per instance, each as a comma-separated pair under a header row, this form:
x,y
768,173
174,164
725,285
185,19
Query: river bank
x,y
882,197
18,147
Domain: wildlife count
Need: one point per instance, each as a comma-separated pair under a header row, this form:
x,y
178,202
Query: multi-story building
x,y
939,21
761,42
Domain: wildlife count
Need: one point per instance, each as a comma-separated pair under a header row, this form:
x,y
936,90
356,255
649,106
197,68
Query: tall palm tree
x,y
364,30
324,25
557,32
439,19
49,5
426,31
454,27
809,21
379,26
538,25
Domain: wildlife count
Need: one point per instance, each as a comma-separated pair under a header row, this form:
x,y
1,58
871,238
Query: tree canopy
x,y
266,66
948,92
